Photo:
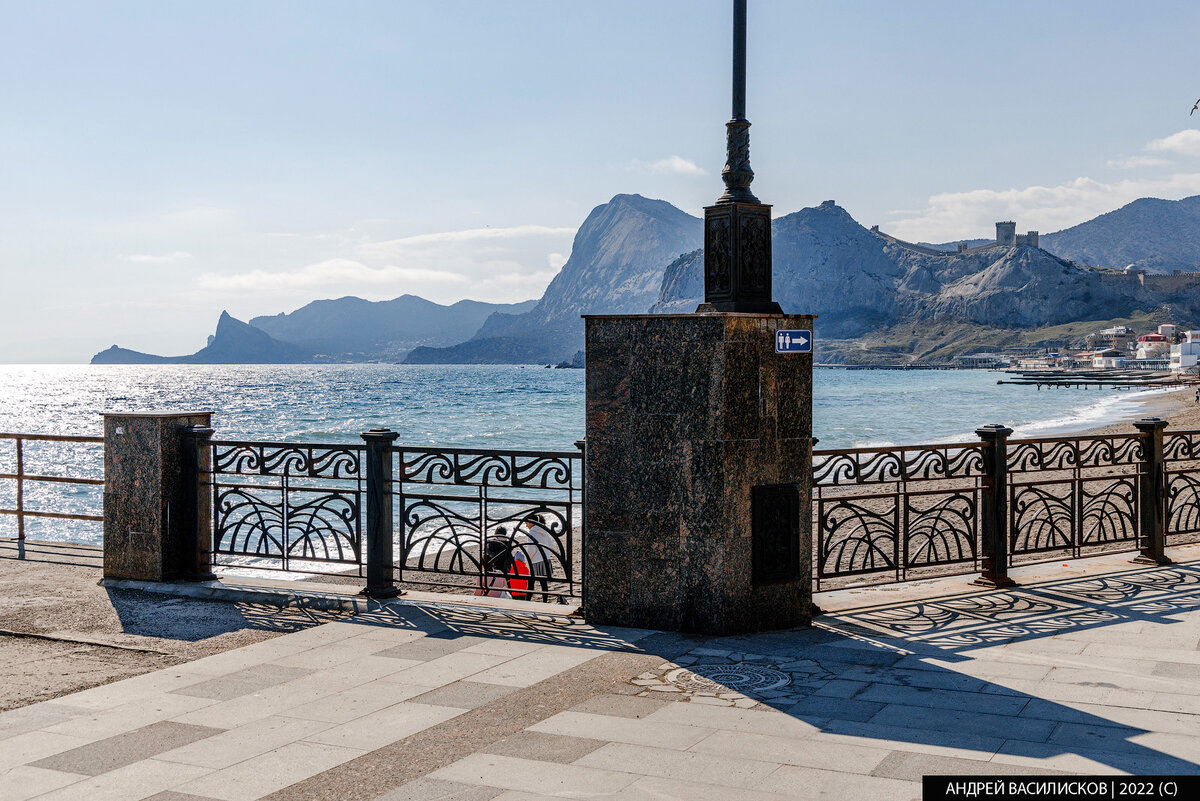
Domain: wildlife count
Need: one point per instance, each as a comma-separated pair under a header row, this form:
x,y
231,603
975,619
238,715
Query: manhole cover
x,y
742,678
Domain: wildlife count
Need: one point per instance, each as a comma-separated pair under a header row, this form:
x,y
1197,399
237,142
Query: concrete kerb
x,y
323,597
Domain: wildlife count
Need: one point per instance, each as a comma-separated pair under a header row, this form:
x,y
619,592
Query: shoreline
x,y
1178,407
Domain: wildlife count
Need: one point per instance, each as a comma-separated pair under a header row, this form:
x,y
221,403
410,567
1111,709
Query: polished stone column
x,y
150,506
699,443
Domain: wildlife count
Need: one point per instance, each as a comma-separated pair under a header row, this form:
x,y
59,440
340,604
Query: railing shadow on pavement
x,y
451,621
888,673
194,619
60,553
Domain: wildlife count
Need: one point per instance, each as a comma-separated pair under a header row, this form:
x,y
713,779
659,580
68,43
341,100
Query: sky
x,y
163,161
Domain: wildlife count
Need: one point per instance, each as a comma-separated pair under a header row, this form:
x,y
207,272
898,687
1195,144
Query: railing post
x,y
1151,536
196,547
993,519
582,577
20,490
380,555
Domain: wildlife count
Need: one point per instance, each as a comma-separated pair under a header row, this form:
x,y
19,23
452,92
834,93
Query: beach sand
x,y
1178,407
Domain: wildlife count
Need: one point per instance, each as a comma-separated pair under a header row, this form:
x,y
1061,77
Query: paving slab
x,y
103,756
728,770
532,776
813,783
237,745
790,751
265,773
547,747
243,682
26,781
464,694
626,706
439,790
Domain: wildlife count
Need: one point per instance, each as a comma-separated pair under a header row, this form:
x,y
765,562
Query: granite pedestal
x,y
151,509
686,416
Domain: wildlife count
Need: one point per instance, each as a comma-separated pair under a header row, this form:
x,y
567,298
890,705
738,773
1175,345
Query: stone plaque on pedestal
x,y
149,519
686,416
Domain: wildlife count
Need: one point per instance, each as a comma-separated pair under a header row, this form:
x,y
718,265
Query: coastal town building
x,y
1121,337
982,360
1153,346
1186,354
1110,358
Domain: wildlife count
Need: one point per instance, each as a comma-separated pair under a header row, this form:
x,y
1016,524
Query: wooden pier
x,y
1117,379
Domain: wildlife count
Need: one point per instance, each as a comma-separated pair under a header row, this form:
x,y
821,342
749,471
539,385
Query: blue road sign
x,y
793,341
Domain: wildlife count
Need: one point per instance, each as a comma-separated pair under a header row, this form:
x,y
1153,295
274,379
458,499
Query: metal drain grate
x,y
738,677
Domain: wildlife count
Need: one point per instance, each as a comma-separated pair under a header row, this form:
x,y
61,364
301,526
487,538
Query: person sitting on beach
x,y
497,558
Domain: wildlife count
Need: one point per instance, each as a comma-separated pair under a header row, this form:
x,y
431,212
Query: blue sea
x,y
484,406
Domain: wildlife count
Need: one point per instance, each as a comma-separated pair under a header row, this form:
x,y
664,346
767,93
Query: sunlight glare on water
x,y
482,406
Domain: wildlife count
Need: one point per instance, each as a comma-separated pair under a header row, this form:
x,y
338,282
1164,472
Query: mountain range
x,y
615,267
343,330
634,254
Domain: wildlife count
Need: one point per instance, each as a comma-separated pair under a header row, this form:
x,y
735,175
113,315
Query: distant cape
x,y
235,342
347,329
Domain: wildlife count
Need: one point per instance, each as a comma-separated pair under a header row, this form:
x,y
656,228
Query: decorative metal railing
x,y
895,510
891,514
492,522
37,472
1074,494
1181,486
505,519
287,506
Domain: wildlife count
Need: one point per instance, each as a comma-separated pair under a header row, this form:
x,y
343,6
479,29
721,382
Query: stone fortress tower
x,y
1006,235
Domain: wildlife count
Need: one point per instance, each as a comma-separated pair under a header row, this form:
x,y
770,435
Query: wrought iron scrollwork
x,y
857,535
1181,446
1183,503
1109,511
487,468
442,538
1073,453
321,527
281,459
1042,517
879,465
275,503
501,519
941,530
487,515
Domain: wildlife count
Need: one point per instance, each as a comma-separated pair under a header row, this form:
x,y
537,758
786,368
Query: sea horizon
x,y
519,406
478,406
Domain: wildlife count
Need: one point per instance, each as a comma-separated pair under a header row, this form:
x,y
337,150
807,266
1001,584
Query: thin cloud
x,y
963,215
671,165
392,247
504,264
1185,142
342,274
1134,162
170,258
678,165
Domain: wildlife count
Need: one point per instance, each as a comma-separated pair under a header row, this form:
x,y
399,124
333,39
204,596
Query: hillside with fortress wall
x,y
858,280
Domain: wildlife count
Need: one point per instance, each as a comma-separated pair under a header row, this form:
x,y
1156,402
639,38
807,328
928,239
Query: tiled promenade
x,y
1091,673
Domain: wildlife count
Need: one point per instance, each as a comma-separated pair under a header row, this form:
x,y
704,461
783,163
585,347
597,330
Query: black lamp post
x,y
737,229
